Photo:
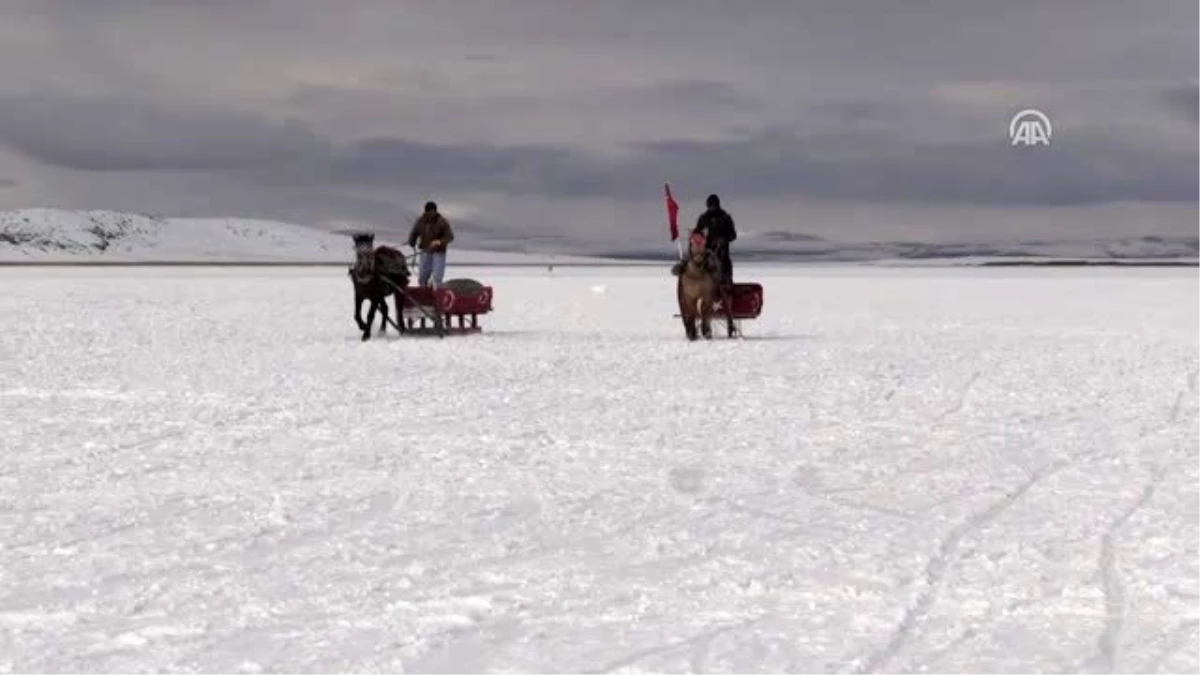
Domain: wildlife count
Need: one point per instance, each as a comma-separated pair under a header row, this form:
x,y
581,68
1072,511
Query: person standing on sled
x,y
431,235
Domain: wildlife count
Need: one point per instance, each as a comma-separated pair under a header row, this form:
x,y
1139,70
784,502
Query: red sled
x,y
746,303
430,311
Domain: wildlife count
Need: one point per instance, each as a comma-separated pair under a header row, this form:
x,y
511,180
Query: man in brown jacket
x,y
431,234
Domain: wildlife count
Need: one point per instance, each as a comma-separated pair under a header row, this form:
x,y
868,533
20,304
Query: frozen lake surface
x,y
898,470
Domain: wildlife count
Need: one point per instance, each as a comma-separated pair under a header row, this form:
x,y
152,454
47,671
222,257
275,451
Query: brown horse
x,y
373,269
698,289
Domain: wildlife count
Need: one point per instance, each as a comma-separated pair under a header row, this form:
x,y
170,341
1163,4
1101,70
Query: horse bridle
x,y
364,264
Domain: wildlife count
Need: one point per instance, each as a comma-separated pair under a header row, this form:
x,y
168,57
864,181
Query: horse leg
x,y
686,311
727,302
383,311
688,318
689,327
691,319
706,308
399,301
358,300
370,318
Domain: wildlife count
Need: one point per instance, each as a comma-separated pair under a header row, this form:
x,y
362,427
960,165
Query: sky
x,y
553,124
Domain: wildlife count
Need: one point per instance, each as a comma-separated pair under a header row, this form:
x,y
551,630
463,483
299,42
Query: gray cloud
x,y
698,92
857,152
92,10
8,183
1184,100
522,170
853,167
874,167
100,134
313,113
860,154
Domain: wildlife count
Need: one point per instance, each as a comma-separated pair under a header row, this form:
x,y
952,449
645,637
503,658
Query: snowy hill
x,y
51,234
56,235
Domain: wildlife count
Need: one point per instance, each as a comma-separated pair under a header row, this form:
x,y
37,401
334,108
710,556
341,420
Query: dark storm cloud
x,y
874,167
698,92
96,8
861,155
847,162
313,110
1184,100
519,169
100,134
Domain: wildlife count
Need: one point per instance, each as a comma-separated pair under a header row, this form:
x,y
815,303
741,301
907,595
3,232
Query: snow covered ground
x,y
898,470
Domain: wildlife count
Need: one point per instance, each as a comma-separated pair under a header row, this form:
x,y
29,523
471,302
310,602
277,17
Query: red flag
x,y
672,213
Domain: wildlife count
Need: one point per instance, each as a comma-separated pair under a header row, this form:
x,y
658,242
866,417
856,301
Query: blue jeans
x,y
431,264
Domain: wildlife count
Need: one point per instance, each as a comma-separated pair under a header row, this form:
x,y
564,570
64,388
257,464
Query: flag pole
x,y
673,219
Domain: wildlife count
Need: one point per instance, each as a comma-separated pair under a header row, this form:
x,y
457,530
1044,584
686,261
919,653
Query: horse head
x,y
699,260
364,257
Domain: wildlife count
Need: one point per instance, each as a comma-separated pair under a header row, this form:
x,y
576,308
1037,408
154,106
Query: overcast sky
x,y
555,122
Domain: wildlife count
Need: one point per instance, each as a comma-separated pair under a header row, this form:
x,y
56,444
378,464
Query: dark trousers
x,y
726,263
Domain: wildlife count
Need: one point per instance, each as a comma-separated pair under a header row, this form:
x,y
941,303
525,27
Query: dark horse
x,y
699,288
374,267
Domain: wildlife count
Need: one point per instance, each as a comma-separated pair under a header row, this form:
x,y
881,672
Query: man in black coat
x,y
719,230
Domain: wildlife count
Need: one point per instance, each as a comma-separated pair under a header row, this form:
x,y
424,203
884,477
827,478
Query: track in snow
x,y
916,469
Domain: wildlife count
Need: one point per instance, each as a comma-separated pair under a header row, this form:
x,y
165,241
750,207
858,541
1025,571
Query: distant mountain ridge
x,y
60,235
799,247
53,233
